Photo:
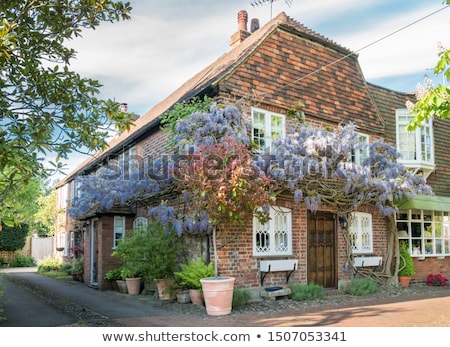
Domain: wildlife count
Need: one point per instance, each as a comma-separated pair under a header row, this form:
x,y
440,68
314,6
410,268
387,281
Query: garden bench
x,y
369,263
372,261
267,266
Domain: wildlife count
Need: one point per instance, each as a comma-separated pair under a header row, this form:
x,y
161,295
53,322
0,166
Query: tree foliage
x,y
13,238
432,100
45,107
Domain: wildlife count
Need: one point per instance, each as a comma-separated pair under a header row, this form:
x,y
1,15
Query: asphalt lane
x,y
22,308
31,299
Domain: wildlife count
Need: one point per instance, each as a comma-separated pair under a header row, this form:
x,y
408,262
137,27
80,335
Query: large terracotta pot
x,y
218,294
133,285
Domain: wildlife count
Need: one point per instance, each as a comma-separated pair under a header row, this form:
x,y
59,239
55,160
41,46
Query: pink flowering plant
x,y
436,280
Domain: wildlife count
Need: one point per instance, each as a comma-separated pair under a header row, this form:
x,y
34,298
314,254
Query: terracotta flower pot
x,y
163,286
196,296
404,281
133,285
218,294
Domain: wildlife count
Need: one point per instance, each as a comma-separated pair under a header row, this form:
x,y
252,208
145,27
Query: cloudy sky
x,y
142,60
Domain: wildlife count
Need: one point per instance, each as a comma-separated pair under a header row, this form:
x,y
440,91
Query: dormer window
x,y
267,127
417,146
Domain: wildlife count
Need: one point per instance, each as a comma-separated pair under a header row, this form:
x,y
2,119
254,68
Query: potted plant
x,y
190,275
406,266
77,269
113,276
131,272
151,254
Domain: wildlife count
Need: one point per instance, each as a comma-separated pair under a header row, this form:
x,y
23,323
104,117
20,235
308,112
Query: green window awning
x,y
426,202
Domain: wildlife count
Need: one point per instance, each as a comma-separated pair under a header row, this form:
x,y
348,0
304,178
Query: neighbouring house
x,y
272,68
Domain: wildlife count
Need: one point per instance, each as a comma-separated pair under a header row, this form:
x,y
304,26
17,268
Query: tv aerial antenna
x,y
256,3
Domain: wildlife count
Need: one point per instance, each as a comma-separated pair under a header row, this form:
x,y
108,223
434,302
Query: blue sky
x,y
141,61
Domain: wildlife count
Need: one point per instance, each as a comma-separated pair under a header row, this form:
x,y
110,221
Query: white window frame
x,y
278,228
421,138
62,196
426,232
119,230
266,138
360,230
359,155
140,223
128,162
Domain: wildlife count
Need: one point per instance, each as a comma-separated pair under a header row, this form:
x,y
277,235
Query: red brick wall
x,y
105,237
431,265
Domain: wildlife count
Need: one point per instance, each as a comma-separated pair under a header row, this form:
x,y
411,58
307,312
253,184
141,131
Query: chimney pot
x,y
254,25
242,20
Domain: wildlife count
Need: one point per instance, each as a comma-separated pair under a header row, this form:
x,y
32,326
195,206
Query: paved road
x,y
88,307
62,303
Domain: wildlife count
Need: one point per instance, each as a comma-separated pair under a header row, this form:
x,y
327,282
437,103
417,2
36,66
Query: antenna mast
x,y
255,3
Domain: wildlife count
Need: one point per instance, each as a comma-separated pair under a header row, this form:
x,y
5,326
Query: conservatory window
x,y
275,236
140,223
416,147
427,232
360,232
267,127
119,229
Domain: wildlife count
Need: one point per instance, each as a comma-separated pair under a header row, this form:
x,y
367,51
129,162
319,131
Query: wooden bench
x,y
267,266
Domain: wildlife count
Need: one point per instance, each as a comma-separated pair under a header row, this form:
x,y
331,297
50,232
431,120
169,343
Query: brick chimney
x,y
242,32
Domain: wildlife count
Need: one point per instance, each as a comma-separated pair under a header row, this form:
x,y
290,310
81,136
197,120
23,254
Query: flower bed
x,y
436,280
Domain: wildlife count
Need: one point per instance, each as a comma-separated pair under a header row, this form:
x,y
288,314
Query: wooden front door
x,y
321,265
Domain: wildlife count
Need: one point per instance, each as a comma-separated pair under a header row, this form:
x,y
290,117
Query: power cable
x,y
360,49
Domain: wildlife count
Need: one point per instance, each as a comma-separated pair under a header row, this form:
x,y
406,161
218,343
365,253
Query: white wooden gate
x,y
41,248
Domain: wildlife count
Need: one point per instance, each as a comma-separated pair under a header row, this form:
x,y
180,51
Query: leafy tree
x,y
13,238
23,204
432,100
45,107
45,217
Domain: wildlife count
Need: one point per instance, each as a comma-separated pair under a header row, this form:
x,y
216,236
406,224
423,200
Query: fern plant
x,y
191,273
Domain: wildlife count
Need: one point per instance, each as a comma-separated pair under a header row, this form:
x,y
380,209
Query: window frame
x,y
267,138
359,155
422,138
118,231
359,243
426,232
140,223
128,162
272,235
